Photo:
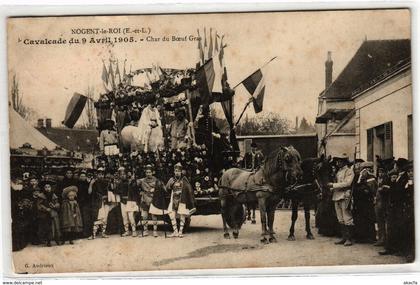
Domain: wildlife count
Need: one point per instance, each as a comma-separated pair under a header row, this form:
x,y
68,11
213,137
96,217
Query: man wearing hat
x,y
152,199
180,130
342,198
182,201
253,160
31,189
108,140
98,189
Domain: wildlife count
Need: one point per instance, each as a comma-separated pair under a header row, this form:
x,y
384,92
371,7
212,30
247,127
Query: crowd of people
x,y
77,206
367,206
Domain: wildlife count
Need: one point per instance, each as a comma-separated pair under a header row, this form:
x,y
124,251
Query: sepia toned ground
x,y
202,247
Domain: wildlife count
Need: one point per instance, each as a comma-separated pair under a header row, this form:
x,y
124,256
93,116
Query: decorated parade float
x,y
163,116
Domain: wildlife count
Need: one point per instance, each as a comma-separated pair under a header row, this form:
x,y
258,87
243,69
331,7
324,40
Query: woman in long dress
x,y
151,129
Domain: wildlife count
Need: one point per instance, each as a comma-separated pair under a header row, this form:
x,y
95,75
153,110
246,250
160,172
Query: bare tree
x,y
90,114
17,101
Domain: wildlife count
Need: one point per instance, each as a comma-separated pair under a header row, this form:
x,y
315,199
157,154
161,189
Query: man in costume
x,y
180,130
98,188
182,201
152,135
108,140
342,198
121,185
152,200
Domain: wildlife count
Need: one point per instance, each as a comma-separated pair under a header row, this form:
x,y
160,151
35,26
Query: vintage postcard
x,y
210,141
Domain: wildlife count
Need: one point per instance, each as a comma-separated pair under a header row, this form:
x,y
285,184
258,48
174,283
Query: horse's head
x,y
282,166
323,171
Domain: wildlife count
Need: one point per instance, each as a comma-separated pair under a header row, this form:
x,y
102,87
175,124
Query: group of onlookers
x,y
371,204
78,205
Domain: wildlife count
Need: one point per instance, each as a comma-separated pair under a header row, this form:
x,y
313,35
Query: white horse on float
x,y
147,136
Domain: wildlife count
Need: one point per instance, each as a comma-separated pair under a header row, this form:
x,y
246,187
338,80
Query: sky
x,y
50,74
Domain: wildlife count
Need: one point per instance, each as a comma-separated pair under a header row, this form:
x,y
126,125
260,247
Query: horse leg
x,y
236,223
253,214
223,212
307,209
248,211
295,205
263,214
270,215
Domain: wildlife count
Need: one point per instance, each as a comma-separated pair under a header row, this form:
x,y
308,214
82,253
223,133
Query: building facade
x,y
367,111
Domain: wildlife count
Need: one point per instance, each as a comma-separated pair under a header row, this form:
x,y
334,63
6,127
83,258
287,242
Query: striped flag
x,y
205,80
74,109
255,85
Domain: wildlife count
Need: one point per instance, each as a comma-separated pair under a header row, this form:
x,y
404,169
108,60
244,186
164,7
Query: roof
x,y
371,60
72,139
22,132
329,113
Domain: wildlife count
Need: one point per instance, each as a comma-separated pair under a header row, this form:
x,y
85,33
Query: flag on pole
x,y
255,85
118,75
210,45
206,49
200,60
105,77
74,109
222,60
111,75
218,74
205,81
104,73
209,80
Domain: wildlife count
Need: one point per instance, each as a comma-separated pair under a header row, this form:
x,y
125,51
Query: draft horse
x,y
238,187
307,194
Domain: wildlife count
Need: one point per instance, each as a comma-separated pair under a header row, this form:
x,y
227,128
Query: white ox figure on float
x,y
147,135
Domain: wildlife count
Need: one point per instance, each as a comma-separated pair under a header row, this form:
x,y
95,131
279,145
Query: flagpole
x,y
243,112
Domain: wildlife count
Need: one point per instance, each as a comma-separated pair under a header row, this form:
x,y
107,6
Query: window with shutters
x,y
379,142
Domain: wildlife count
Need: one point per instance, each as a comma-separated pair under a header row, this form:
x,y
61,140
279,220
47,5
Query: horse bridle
x,y
281,162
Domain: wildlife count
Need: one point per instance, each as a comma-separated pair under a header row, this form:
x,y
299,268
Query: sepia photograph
x,y
210,141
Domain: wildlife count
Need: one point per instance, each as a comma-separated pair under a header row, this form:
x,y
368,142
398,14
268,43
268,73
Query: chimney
x,y
40,123
48,123
328,70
